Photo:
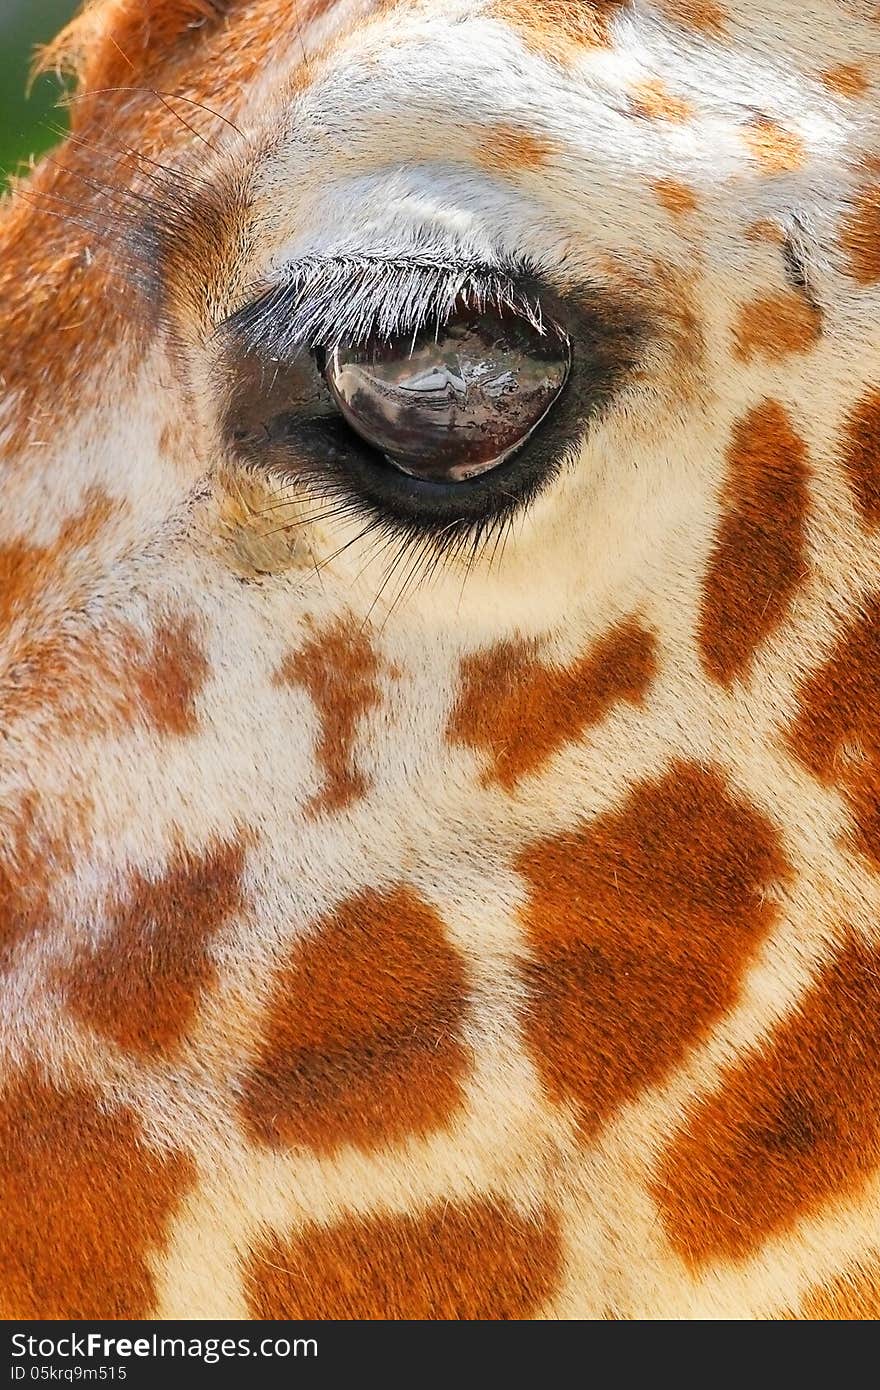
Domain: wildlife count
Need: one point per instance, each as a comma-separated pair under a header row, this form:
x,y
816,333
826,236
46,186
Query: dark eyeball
x,y
450,405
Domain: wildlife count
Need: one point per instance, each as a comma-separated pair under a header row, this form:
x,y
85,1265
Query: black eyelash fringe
x,y
414,556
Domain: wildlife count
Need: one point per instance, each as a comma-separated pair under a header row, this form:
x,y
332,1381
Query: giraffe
x,y
440,879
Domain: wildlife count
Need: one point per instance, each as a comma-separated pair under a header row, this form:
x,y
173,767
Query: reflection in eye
x,y
446,406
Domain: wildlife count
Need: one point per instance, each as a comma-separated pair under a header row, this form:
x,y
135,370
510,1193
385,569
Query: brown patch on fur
x,y
759,556
340,670
774,325
362,1042
59,313
243,47
116,43
520,711
641,925
678,316
62,671
703,15
793,1125
168,678
777,150
85,1204
836,734
847,79
30,863
506,149
861,237
142,985
29,573
108,680
861,456
558,29
656,102
765,229
676,197
120,43
478,1261
853,1297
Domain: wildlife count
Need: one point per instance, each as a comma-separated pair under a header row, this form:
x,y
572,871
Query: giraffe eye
x,y
449,405
447,431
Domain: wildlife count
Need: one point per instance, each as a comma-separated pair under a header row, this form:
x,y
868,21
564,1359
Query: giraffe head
x,y
441,461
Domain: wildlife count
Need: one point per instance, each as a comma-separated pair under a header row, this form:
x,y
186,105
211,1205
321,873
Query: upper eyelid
x,y
325,301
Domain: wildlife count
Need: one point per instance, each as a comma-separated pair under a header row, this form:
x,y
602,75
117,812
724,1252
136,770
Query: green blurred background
x,y
25,121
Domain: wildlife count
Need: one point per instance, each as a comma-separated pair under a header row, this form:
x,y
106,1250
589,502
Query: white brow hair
x,y
331,301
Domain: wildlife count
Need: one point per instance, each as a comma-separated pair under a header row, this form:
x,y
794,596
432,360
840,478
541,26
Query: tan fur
x,y
494,942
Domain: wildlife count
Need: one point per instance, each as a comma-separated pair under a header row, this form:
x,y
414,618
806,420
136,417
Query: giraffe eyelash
x,y
325,302
283,421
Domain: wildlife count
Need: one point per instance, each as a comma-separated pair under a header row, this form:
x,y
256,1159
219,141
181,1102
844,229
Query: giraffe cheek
x,y
477,1260
796,1123
362,1040
104,1200
641,925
